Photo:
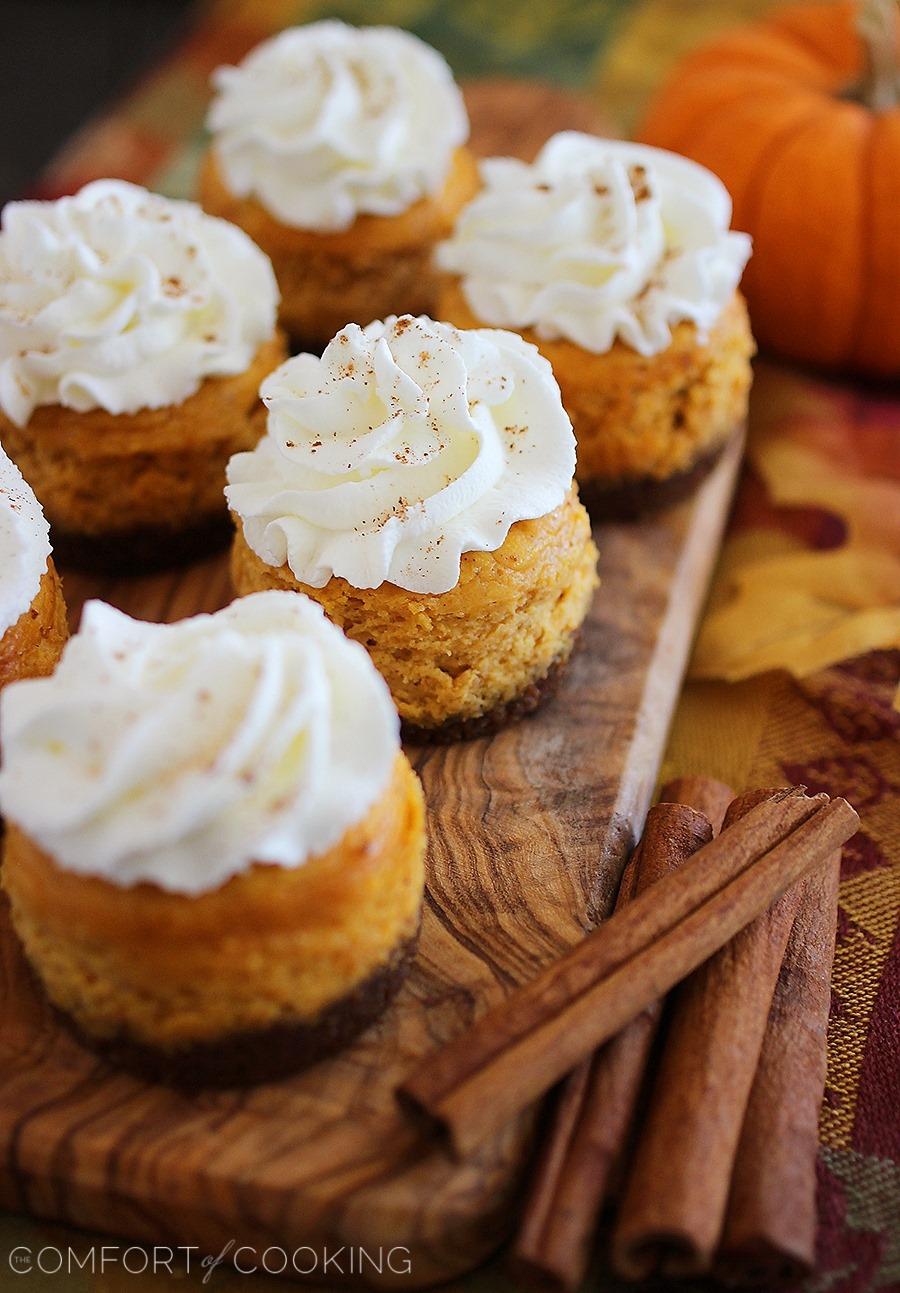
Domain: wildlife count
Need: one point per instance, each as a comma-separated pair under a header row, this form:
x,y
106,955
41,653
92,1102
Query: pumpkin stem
x,y
878,23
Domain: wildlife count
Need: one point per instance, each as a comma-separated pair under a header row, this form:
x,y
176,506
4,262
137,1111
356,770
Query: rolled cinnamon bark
x,y
705,795
676,1192
513,1055
770,1225
582,1151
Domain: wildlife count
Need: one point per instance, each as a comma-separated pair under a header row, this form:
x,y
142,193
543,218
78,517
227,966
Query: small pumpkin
x,y
800,117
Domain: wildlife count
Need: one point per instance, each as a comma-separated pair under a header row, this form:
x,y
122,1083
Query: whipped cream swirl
x,y
120,299
596,240
24,544
407,444
181,754
327,121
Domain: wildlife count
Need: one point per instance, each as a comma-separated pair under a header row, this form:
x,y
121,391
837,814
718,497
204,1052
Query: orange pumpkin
x,y
781,111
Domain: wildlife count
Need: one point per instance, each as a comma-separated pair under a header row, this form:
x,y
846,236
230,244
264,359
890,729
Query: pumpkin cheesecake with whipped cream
x,y
417,481
340,150
617,261
33,625
214,849
134,333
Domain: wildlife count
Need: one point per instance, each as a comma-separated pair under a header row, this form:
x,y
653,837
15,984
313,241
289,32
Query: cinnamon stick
x,y
477,1083
704,794
770,1225
583,1148
674,1203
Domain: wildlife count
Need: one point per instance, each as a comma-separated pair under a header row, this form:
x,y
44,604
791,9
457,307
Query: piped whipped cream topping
x,y
180,754
407,444
596,240
24,544
324,122
120,299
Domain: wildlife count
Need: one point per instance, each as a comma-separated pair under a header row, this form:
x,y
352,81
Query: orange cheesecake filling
x,y
31,647
380,265
638,416
96,472
458,655
274,945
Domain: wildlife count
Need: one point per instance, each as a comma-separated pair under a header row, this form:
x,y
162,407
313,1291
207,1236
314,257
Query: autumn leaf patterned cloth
x,y
797,663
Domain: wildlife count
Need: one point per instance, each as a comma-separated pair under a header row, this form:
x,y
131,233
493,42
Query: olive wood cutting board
x,y
528,833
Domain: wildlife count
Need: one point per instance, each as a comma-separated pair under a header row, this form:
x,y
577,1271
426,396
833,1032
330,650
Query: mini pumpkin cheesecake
x,y
616,260
340,151
416,480
134,333
33,625
214,855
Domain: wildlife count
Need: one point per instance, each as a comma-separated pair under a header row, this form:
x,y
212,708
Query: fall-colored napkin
x,y
810,572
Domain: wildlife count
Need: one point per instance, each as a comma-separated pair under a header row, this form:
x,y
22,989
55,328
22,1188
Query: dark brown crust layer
x,y
263,1055
143,550
630,499
521,706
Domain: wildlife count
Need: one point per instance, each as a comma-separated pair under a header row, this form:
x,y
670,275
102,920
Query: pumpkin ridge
x,y
835,21
879,339
756,181
867,234
819,291
709,119
653,130
798,39
741,58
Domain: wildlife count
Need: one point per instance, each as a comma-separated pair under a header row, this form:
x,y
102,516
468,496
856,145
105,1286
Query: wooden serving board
x,y
528,834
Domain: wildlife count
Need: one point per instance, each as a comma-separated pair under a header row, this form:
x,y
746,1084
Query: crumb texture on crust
x,y
456,656
99,473
639,416
380,266
31,647
248,1056
527,701
273,947
631,497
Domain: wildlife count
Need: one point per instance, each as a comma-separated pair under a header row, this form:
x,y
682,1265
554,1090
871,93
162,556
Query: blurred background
x,y
62,60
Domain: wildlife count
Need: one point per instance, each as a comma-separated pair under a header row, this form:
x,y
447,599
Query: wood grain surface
x,y
528,833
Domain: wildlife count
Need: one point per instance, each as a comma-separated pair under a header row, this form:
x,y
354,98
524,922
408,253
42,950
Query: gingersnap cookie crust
x,y
247,1057
510,711
631,499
